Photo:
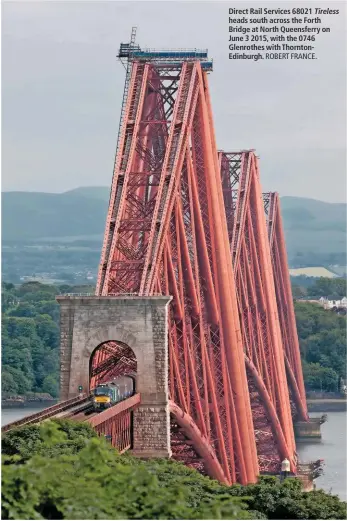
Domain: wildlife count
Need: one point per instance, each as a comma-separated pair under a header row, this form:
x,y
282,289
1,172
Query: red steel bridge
x,y
190,221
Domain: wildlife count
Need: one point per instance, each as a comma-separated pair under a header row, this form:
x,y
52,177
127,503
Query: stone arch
x,y
110,360
140,322
87,322
97,335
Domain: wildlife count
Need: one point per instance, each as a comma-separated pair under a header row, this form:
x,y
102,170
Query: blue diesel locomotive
x,y
109,393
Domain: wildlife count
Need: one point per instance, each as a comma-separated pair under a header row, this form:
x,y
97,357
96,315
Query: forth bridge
x,y
193,295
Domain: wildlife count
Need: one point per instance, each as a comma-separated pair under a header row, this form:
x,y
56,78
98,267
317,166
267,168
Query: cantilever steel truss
x,y
285,306
188,221
110,360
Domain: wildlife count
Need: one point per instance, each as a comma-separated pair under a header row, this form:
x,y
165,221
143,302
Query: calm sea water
x,y
12,415
332,449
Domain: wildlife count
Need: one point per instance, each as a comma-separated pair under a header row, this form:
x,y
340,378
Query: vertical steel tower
x,y
285,306
186,221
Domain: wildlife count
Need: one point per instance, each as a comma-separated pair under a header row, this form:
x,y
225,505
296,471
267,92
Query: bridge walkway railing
x,y
116,423
49,412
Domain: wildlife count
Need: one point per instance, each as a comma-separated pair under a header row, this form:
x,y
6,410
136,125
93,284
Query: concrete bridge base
x,y
86,322
308,431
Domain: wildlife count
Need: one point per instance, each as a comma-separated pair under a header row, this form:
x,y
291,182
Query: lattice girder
x,y
257,304
186,221
285,303
166,233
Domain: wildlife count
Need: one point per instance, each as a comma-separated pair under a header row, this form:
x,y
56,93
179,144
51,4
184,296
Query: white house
x,y
329,304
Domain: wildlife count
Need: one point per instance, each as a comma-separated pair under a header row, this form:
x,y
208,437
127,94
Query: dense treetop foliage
x,y
333,289
62,470
30,338
322,337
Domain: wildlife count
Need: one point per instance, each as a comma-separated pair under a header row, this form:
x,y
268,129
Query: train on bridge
x,y
194,276
110,393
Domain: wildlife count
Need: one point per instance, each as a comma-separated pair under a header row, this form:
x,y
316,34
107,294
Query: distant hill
x,y
311,227
314,214
314,228
28,216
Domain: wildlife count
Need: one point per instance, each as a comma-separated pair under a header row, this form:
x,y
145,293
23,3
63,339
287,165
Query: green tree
x,y
28,440
298,291
61,470
39,296
8,299
19,326
322,338
8,286
97,483
30,338
49,307
47,330
324,287
287,500
50,385
8,383
24,309
36,288
23,384
320,378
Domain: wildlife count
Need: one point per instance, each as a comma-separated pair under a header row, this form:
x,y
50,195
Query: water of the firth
x,y
332,448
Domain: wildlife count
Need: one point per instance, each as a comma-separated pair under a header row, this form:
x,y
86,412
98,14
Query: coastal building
x,y
330,304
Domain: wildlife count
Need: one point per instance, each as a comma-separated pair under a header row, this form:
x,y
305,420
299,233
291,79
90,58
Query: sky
x,y
62,87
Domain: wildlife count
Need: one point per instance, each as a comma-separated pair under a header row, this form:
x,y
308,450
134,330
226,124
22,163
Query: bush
x,y
320,378
62,470
56,437
287,500
96,483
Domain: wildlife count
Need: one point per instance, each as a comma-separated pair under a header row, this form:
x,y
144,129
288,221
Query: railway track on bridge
x,y
193,290
48,413
114,423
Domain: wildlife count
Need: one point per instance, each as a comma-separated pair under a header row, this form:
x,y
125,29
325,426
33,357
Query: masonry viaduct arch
x,y
141,323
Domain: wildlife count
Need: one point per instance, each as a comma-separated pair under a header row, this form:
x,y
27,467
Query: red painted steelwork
x,y
187,222
262,340
165,233
116,423
110,360
49,412
200,443
103,416
285,303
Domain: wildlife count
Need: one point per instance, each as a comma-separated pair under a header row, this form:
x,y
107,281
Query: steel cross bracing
x,y
111,360
262,339
168,231
285,305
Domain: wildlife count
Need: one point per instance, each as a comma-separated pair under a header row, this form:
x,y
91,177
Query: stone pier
x,y
86,322
308,431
